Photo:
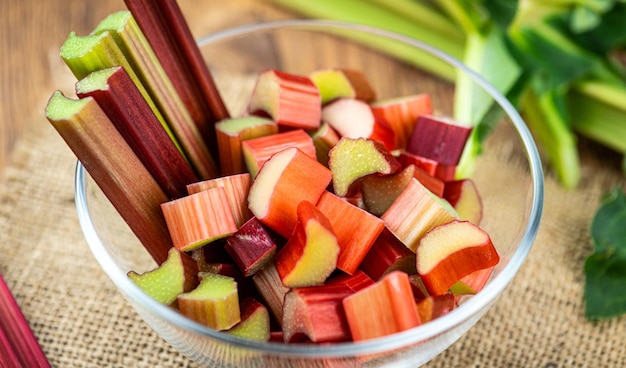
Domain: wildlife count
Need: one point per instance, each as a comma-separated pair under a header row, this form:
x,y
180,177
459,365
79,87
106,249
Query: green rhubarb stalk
x,y
379,15
144,62
114,167
85,54
604,123
544,116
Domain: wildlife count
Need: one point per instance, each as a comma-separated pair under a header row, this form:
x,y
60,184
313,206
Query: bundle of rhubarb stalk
x,y
321,204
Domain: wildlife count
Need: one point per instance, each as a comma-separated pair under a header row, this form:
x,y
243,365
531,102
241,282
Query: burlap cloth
x,y
81,320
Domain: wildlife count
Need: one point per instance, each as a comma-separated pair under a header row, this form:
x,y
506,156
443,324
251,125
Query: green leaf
x,y
605,269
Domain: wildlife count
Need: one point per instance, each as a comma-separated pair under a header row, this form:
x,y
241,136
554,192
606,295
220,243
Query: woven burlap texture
x,y
81,320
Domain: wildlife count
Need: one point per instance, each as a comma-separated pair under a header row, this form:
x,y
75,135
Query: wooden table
x,y
539,321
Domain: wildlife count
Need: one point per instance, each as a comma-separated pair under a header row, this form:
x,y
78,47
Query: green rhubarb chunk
x,y
332,84
255,322
212,286
214,302
62,108
165,282
352,159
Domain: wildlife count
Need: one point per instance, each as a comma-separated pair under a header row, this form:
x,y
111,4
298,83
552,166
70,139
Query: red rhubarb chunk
x,y
438,138
285,180
452,251
348,220
382,309
310,254
290,100
251,247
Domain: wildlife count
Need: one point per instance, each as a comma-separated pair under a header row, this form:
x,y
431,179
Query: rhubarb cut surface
x,y
452,251
337,83
177,275
310,254
285,180
352,159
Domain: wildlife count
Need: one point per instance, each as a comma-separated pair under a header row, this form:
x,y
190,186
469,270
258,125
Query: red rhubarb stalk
x,y
120,99
18,345
167,31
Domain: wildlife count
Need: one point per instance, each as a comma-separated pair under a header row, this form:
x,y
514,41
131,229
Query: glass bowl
x,y
508,175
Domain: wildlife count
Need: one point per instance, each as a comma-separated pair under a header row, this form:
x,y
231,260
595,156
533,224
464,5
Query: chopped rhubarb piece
x,y
379,191
417,285
445,172
432,183
310,254
258,150
401,114
464,197
251,247
285,180
120,99
290,100
435,306
167,31
245,287
426,164
452,251
316,312
347,220
213,303
324,139
114,167
198,219
272,290
382,309
439,138
359,280
472,283
386,255
255,321
236,188
177,275
232,132
415,212
352,159
353,118
337,83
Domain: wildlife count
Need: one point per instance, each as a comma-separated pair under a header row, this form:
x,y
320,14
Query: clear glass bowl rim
x,y
396,341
